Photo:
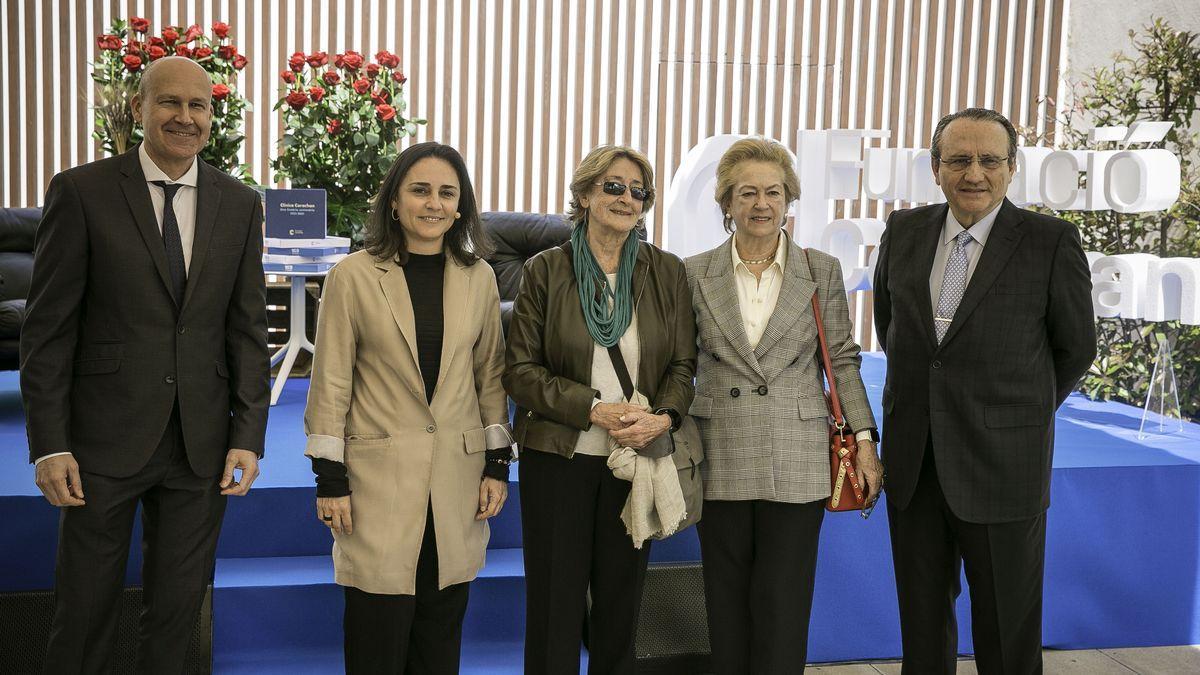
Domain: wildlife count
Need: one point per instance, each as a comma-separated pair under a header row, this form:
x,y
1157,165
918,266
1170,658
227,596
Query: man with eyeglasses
x,y
984,311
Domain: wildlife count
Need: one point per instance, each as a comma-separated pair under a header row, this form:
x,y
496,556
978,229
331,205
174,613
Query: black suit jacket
x,y
1022,337
105,351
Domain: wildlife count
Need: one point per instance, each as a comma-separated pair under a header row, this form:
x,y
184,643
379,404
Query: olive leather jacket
x,y
548,364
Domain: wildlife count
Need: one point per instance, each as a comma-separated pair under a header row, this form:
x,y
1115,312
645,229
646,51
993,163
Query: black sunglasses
x,y
616,189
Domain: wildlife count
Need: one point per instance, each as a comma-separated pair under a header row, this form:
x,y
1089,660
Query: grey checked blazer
x,y
762,412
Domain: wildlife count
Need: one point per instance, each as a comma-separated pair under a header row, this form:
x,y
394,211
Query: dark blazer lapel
x,y
795,297
456,303
720,294
138,196
1002,241
926,238
395,291
208,202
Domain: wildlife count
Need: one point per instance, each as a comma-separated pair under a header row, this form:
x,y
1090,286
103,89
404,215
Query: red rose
x,y
193,31
155,52
139,24
133,47
227,52
339,60
373,70
170,36
296,62
331,78
352,60
385,112
133,63
317,59
362,85
387,59
182,50
297,99
334,127
239,61
399,77
220,91
380,97
316,94
156,42
221,29
110,43
288,76
202,53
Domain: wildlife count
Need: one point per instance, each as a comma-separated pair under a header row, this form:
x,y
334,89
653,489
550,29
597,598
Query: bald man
x,y
144,372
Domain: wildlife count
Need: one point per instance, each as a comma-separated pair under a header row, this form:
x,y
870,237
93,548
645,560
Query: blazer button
x,y
762,390
937,364
170,379
182,330
431,428
716,358
735,392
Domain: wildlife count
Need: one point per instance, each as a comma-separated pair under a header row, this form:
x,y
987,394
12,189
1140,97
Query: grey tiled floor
x,y
1142,661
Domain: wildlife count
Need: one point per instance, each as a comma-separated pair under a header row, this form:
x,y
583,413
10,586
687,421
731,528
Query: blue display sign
x,y
295,214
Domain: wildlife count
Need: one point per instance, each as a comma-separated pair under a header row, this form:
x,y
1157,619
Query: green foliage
x,y
1161,82
124,53
343,122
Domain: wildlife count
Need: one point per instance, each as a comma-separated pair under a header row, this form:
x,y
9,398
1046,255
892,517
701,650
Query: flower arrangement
x,y
125,52
343,118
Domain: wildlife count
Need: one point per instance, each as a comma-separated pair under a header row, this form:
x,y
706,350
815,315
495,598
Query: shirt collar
x,y
979,231
154,173
780,252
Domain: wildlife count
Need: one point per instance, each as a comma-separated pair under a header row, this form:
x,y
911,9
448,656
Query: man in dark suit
x,y
985,313
144,371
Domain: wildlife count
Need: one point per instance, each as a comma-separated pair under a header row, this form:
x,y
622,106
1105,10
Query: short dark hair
x,y
465,240
981,114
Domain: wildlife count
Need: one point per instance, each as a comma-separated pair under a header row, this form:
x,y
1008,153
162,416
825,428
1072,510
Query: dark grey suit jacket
x,y
1022,337
105,351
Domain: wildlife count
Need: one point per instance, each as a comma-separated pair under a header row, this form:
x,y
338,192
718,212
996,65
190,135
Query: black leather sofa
x,y
17,227
518,237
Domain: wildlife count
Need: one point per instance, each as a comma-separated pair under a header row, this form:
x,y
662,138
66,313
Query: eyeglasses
x,y
616,189
962,163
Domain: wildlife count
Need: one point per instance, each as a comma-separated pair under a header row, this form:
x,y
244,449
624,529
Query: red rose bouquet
x,y
343,118
125,52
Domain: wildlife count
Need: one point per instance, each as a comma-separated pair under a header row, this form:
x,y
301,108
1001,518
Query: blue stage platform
x,y
1121,569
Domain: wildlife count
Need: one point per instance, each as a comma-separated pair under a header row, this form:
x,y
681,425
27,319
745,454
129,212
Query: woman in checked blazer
x,y
761,410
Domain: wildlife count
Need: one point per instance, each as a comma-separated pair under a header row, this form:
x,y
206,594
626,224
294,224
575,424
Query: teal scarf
x,y
605,323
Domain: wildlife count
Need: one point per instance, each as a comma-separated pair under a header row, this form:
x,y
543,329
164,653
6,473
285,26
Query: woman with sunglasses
x,y
604,287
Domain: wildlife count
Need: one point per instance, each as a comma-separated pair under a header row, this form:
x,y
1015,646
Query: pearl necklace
x,y
755,262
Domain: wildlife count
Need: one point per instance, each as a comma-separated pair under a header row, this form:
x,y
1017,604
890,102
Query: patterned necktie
x,y
954,283
171,240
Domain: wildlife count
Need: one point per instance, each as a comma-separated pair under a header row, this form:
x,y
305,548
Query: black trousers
x,y
181,518
574,539
1004,564
760,564
416,634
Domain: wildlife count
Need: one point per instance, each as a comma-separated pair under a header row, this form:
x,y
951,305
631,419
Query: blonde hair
x,y
595,165
755,149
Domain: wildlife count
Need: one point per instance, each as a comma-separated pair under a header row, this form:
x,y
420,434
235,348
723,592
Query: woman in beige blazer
x,y
404,401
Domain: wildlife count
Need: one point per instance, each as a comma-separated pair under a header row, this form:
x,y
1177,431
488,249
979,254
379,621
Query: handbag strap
x,y
618,361
826,364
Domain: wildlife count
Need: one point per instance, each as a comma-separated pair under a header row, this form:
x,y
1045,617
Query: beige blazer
x,y
367,407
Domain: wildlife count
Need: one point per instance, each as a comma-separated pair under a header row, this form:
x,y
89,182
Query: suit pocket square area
x,y
1017,415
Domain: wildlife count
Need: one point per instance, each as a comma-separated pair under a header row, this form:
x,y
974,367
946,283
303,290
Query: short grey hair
x,y
982,115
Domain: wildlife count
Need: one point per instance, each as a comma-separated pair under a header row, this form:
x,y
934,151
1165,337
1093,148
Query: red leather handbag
x,y
847,486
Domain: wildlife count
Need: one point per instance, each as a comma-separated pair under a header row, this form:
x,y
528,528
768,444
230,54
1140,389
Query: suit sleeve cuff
x,y
326,447
53,454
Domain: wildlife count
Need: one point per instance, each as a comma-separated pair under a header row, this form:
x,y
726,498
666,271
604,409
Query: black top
x,y
425,275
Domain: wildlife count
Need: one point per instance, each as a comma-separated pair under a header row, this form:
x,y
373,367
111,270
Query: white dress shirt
x,y
979,235
184,202
757,296
185,215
